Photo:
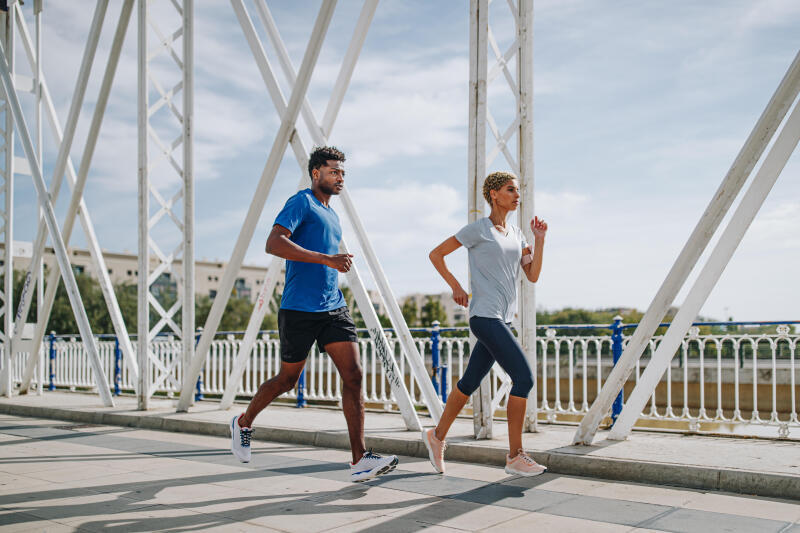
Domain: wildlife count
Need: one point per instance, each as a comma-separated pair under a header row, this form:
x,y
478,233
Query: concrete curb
x,y
561,462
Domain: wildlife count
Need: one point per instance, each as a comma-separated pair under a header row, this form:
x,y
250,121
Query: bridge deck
x,y
750,466
57,476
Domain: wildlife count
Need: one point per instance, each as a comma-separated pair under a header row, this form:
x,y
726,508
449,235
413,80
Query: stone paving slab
x,y
749,466
302,489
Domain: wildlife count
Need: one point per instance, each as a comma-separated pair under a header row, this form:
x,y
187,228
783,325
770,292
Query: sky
x,y
639,110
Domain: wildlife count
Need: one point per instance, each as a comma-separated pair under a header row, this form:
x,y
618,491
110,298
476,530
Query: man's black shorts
x,y
299,329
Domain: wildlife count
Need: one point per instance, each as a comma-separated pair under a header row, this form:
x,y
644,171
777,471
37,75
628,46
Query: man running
x,y
307,234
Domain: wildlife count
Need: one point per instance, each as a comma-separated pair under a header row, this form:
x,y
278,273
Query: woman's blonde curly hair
x,y
494,182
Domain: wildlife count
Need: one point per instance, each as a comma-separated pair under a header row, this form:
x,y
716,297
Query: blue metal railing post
x,y
117,367
52,361
435,356
301,386
199,394
444,382
616,352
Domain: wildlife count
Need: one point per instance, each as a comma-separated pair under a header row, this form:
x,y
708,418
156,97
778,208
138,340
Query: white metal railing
x,y
722,380
736,383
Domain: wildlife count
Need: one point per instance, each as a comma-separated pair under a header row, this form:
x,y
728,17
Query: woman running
x,y
496,252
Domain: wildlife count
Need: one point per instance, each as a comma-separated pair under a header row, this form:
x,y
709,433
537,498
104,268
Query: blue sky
x,y
640,108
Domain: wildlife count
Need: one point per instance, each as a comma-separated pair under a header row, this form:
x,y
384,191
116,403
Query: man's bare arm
x,y
278,243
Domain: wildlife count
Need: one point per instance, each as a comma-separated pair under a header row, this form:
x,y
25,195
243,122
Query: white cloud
x,y
405,223
639,113
410,218
769,13
777,228
403,107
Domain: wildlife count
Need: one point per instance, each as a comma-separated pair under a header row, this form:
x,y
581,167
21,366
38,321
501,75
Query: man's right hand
x,y
460,296
341,262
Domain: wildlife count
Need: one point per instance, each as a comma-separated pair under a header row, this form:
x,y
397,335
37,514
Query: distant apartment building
x,y
124,268
455,313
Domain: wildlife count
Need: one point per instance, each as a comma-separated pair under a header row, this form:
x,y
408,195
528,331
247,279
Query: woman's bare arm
x,y
436,256
534,268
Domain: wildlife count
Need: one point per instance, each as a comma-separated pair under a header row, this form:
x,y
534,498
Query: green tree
x,y
433,310
235,317
127,298
411,312
384,320
62,319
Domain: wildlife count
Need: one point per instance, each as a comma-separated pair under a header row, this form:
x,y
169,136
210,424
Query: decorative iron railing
x,y
734,380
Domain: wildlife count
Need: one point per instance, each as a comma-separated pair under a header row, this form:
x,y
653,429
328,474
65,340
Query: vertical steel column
x,y
187,317
152,130
37,353
7,37
143,289
482,41
526,180
476,173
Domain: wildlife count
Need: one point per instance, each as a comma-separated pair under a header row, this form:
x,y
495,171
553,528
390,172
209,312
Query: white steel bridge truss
x,y
165,142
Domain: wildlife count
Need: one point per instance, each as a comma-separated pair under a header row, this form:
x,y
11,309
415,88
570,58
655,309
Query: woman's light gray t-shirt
x,y
494,264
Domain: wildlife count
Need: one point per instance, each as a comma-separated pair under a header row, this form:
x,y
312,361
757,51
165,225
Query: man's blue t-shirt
x,y
311,287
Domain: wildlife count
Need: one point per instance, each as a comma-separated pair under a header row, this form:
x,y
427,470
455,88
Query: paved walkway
x,y
57,476
749,466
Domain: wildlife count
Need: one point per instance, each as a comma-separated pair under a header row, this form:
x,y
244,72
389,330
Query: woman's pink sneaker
x,y
436,449
522,465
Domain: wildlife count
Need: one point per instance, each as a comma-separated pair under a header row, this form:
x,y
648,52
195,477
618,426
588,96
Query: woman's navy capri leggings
x,y
496,342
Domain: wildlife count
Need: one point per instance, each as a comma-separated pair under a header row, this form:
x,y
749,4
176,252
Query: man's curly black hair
x,y
321,155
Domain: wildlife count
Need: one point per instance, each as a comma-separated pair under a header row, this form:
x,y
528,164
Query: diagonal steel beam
x,y
723,198
319,138
55,235
78,206
61,160
354,279
744,215
527,302
260,56
256,206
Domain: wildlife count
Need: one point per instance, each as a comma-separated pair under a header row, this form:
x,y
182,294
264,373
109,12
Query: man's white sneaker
x,y
240,440
372,465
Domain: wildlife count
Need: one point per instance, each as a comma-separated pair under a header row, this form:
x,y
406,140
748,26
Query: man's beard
x,y
330,190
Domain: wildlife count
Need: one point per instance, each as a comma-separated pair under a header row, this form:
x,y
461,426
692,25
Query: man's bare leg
x,y
271,389
345,356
